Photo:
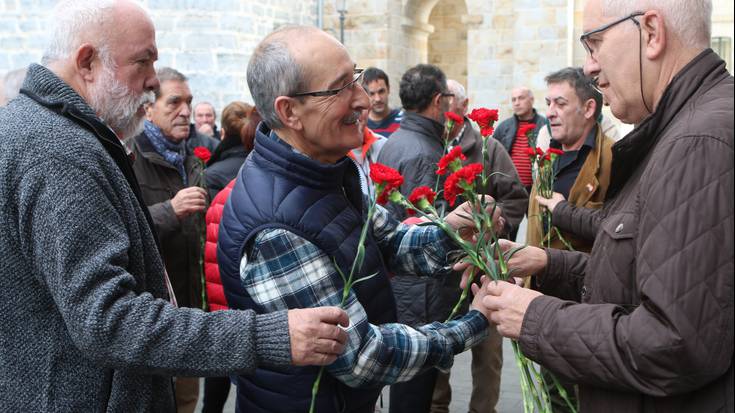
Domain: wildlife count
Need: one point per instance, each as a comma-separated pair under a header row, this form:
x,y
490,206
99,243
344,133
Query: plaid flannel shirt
x,y
283,271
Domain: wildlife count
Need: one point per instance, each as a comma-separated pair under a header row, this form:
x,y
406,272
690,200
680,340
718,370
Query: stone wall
x,y
508,42
448,42
210,45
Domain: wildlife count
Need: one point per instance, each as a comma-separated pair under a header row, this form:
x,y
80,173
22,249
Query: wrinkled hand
x,y
507,304
525,262
550,203
206,129
479,292
461,218
316,338
188,201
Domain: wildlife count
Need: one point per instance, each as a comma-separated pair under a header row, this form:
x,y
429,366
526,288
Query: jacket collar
x,y
590,169
422,125
44,83
629,153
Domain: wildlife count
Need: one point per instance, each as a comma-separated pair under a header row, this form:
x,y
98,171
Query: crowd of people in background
x,y
134,261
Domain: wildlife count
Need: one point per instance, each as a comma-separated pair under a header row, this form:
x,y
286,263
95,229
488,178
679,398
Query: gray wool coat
x,y
87,325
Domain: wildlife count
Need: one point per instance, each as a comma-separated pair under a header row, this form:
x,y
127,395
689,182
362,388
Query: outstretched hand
x,y
550,203
316,338
460,219
507,304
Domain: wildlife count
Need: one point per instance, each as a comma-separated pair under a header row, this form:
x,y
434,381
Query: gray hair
x,y
204,102
73,20
13,81
456,88
168,74
690,20
273,72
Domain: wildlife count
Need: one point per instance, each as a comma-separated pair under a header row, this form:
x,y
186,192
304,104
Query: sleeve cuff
x,y
272,342
533,323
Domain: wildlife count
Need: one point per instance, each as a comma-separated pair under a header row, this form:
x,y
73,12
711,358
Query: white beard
x,y
117,106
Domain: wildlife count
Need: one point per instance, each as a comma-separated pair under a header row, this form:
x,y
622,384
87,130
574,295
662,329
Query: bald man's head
x,y
521,99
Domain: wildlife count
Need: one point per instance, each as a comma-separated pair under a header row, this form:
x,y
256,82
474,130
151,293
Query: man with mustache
x,y
89,318
293,223
164,167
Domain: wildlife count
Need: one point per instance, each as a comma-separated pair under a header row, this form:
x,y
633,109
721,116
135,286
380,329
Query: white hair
x,y
457,88
73,21
689,20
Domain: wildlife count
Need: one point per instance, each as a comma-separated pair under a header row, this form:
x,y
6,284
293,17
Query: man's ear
x,y
465,105
85,60
653,30
589,108
288,112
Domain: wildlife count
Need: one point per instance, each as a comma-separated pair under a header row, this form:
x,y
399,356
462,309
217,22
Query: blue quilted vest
x,y
322,203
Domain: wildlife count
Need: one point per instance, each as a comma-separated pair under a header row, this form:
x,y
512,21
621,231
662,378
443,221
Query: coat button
x,y
619,228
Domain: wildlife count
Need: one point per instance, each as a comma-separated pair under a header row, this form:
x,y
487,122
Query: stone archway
x,y
447,45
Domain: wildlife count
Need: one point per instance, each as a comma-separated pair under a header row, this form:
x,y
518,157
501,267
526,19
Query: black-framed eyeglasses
x,y
584,38
446,94
357,75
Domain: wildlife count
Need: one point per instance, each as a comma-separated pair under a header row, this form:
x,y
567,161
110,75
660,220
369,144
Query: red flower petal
x,y
454,117
422,192
446,160
202,153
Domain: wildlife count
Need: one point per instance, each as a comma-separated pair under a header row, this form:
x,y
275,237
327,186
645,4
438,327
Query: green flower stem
x,y
356,265
465,293
563,393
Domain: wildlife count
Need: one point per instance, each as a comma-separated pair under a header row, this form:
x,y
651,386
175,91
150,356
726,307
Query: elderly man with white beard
x,y
90,323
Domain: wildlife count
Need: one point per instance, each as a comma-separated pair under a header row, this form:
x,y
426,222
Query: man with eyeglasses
x,y
644,322
292,225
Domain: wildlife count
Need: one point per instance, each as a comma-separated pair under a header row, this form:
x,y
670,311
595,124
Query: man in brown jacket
x,y
644,323
582,173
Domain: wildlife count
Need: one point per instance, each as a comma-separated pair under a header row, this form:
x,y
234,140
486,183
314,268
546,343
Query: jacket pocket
x,y
615,280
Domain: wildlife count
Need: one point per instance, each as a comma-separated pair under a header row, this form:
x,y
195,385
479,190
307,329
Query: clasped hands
x,y
504,303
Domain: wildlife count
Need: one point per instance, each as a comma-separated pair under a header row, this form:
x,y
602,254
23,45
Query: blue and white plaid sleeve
x,y
284,271
412,249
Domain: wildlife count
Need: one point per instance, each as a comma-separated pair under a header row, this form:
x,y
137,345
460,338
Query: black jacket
x,y
224,169
506,130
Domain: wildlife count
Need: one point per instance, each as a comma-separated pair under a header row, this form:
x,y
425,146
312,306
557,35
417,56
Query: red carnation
x,y
555,151
485,119
422,197
539,151
524,130
202,153
461,181
386,181
531,152
452,161
454,117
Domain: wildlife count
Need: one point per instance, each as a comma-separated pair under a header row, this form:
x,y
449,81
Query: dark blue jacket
x,y
322,203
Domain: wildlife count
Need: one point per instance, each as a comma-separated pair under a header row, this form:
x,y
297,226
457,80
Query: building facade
x,y
490,46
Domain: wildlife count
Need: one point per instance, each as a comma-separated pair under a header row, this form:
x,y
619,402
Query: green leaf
x,y
367,277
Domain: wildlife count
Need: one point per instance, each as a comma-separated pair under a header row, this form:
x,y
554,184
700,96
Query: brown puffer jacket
x,y
654,332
